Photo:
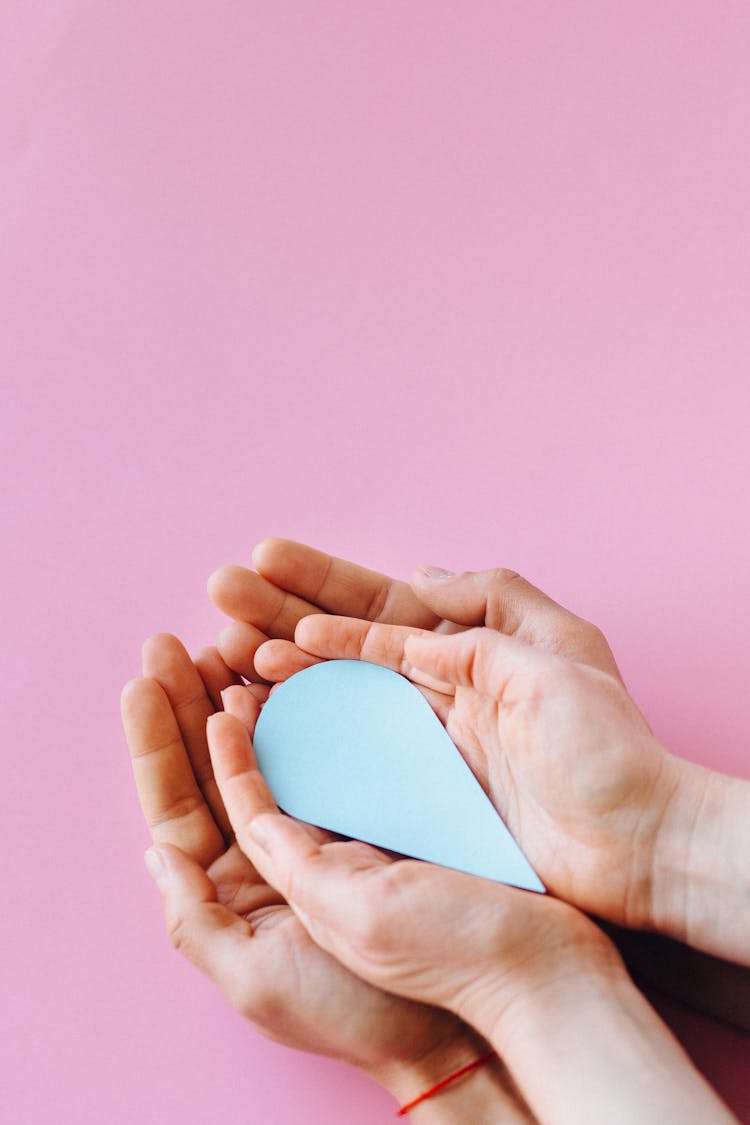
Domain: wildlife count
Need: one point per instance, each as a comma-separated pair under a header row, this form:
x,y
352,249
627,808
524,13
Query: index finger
x,y
350,638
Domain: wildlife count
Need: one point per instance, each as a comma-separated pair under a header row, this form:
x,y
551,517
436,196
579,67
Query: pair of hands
x,y
535,703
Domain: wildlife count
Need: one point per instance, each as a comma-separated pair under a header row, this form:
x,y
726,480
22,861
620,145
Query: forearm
x,y
701,877
588,1048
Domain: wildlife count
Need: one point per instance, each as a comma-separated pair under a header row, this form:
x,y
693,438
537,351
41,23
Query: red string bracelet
x,y
446,1082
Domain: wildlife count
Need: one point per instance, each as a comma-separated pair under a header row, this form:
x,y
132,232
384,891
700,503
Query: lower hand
x,y
533,975
223,916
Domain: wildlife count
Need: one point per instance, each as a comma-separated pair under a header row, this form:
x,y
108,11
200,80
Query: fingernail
x,y
223,700
436,572
155,865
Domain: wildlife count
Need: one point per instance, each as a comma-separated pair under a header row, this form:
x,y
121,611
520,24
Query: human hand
x,y
695,889
533,975
223,916
563,752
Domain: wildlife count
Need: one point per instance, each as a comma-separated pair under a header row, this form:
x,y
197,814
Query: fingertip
x,y
156,866
239,701
263,553
264,660
131,688
225,639
138,692
221,720
305,631
426,574
229,745
160,642
170,867
208,653
220,581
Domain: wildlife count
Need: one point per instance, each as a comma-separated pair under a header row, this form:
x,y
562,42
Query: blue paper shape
x,y
357,749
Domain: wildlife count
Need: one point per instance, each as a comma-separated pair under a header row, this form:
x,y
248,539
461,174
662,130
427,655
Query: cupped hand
x,y
223,916
561,749
586,812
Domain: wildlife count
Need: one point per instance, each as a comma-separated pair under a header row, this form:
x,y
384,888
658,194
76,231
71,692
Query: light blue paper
x,y
356,748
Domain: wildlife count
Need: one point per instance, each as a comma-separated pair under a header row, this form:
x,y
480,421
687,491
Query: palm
x,y
563,753
571,772
285,984
316,1004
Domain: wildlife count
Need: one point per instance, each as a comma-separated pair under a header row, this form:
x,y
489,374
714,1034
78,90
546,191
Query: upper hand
x,y
561,749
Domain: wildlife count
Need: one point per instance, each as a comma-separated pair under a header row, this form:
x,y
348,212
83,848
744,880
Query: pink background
x,y
464,283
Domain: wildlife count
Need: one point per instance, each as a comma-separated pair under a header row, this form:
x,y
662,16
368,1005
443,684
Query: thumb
x,y
200,928
502,600
478,658
498,598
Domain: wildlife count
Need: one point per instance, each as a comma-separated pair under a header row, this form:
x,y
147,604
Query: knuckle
x,y
503,576
178,931
378,601
499,612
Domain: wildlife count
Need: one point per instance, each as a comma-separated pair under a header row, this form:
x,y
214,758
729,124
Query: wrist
x,y
486,1094
701,885
591,1033
565,951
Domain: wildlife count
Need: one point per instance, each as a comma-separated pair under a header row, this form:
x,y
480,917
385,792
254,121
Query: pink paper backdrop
x,y
464,283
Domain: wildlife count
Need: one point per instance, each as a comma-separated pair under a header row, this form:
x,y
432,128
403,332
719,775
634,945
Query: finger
x,y
244,790
278,660
385,919
338,586
246,596
503,600
239,886
239,701
481,659
173,805
254,813
212,936
166,660
217,676
337,889
215,673
349,638
237,645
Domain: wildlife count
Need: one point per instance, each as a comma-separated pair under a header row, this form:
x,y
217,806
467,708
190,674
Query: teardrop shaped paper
x,y
357,749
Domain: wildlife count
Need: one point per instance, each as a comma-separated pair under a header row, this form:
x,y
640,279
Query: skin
x,y
203,918
223,915
611,820
560,748
534,976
